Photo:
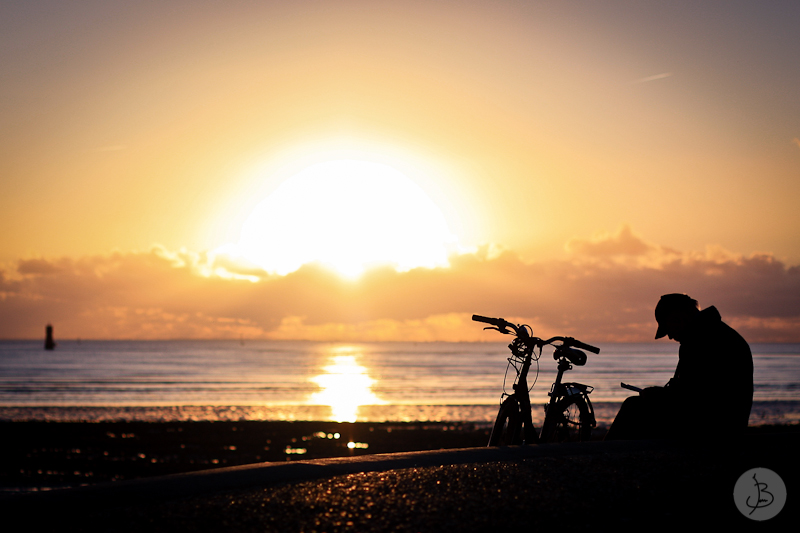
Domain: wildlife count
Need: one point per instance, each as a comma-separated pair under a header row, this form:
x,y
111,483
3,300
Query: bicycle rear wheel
x,y
570,421
507,428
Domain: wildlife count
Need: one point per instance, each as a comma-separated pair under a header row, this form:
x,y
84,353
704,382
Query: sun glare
x,y
349,215
345,387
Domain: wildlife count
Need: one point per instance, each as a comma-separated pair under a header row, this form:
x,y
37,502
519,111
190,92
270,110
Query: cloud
x,y
624,243
432,328
796,141
39,267
605,291
624,247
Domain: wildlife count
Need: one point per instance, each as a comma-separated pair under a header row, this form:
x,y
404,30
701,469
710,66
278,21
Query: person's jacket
x,y
713,383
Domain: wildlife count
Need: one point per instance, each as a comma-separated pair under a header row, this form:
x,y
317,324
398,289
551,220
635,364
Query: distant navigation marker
x,y
49,343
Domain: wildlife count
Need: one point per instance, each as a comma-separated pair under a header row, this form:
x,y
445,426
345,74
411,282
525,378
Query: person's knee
x,y
633,400
634,404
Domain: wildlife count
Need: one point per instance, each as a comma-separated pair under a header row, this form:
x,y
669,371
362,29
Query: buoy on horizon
x,y
49,343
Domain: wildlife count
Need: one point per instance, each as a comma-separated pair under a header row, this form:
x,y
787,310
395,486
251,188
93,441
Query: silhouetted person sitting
x,y
712,390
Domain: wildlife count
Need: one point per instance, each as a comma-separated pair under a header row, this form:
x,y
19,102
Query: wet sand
x,y
603,485
48,455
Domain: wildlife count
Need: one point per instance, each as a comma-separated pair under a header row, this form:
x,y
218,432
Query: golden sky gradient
x,y
587,156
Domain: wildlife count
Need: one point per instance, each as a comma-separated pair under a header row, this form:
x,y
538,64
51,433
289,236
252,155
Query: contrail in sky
x,y
653,78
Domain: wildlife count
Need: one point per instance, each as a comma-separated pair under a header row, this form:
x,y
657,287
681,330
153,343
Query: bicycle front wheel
x,y
570,421
507,428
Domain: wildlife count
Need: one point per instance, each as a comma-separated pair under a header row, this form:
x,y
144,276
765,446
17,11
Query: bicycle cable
x,y
519,350
536,377
515,358
505,377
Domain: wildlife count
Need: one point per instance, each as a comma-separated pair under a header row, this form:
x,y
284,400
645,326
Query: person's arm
x,y
654,392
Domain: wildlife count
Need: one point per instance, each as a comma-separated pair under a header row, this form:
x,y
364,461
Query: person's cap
x,y
668,305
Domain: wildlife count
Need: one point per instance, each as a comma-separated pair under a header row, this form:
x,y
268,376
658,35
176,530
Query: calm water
x,y
268,380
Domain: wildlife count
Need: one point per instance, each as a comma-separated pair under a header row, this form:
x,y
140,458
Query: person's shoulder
x,y
710,314
715,330
734,338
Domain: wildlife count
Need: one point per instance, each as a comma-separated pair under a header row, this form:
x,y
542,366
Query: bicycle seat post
x,y
563,366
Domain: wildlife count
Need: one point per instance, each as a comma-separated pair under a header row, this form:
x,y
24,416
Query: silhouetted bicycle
x,y
569,415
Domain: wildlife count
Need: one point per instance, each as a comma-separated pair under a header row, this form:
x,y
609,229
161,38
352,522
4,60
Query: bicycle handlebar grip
x,y
587,347
486,320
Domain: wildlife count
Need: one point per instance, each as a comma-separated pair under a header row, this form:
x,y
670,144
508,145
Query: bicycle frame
x,y
561,391
522,397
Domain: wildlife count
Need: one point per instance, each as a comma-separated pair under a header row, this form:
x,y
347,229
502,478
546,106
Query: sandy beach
x,y
457,485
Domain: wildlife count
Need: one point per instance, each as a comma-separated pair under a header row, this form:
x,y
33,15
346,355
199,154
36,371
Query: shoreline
x,y
763,412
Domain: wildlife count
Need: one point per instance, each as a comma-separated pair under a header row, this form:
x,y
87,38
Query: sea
x,y
234,380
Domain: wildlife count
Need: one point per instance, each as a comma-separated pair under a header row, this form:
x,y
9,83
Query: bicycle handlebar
x,y
503,325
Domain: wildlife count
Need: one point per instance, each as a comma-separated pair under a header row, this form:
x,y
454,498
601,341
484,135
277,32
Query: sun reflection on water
x,y
345,387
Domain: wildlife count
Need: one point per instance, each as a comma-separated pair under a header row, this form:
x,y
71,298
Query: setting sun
x,y
348,215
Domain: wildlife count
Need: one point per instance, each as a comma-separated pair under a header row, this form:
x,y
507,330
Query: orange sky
x,y
587,156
